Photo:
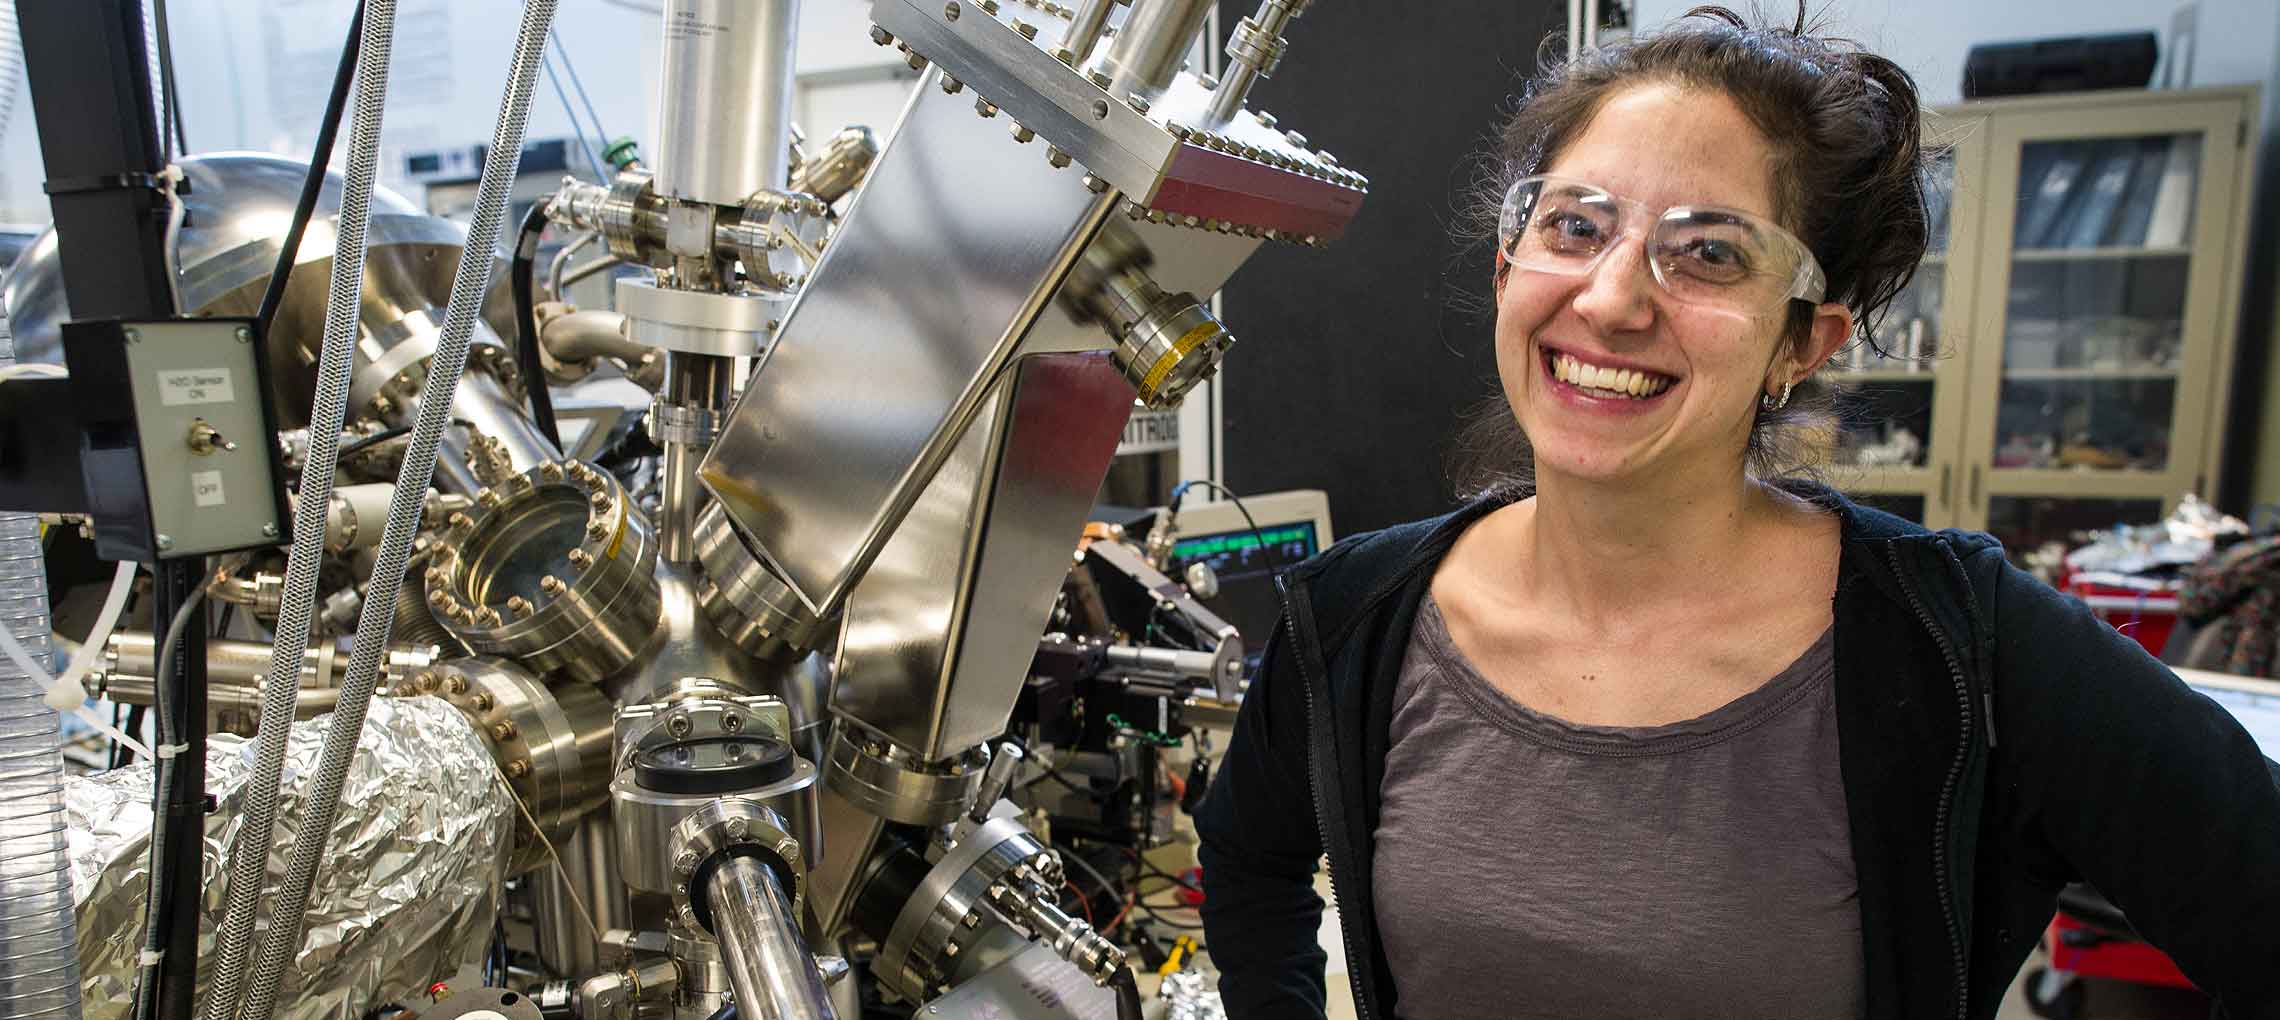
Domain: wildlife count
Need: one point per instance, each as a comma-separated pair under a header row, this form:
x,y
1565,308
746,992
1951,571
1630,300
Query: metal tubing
x,y
1148,51
1085,29
702,383
768,961
724,108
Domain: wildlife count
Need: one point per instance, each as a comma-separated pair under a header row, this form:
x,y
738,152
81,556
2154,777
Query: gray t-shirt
x,y
1532,867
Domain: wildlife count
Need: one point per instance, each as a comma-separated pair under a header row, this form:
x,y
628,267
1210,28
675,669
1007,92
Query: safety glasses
x,y
1702,255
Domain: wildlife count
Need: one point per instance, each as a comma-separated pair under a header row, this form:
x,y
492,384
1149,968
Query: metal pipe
x,y
768,961
697,386
131,656
724,98
1253,51
1148,51
841,165
1085,29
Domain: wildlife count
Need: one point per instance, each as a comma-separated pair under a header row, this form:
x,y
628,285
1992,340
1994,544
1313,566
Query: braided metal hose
x,y
335,365
404,513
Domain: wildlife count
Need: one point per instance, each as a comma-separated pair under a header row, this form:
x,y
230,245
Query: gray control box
x,y
208,456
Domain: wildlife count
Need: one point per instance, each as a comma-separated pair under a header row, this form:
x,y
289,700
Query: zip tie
x,y
151,957
168,751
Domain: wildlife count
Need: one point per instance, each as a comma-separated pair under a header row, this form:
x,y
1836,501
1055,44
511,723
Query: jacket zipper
x,y
1321,823
1947,788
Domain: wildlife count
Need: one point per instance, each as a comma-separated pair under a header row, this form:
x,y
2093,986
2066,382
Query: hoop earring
x,y
1768,402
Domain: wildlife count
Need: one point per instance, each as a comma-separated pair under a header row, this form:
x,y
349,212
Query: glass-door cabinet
x,y
2075,324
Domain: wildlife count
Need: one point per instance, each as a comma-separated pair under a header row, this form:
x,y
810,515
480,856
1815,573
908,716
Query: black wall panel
x,y
1354,364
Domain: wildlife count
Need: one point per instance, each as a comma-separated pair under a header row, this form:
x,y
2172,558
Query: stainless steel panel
x,y
725,98
922,298
1033,985
1167,153
940,633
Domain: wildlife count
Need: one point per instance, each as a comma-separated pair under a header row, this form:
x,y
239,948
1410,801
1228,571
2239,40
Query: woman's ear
x,y
1832,326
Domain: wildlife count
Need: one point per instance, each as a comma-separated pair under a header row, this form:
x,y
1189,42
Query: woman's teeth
x,y
1608,382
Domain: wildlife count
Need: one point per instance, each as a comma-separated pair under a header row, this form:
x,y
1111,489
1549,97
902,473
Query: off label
x,y
206,488
180,386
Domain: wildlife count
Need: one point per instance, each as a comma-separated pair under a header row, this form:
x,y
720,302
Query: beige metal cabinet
x,y
2074,322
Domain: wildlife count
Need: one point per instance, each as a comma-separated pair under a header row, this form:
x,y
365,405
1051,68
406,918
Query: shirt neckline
x,y
1810,671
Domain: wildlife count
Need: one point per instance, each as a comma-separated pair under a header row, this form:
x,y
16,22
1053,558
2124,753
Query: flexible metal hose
x,y
335,364
404,513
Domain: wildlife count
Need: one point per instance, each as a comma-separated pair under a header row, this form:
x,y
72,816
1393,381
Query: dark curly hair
x,y
1850,178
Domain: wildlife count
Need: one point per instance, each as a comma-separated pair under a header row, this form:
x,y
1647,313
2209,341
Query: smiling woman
x,y
1720,742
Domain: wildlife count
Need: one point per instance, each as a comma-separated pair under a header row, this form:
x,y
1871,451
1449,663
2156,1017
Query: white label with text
x,y
179,386
206,488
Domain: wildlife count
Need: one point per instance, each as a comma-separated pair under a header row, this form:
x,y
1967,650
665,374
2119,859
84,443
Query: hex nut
x,y
518,768
504,730
882,36
685,863
1056,158
952,86
984,107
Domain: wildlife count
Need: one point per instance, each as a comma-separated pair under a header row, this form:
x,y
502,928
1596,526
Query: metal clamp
x,y
744,598
886,781
683,424
730,827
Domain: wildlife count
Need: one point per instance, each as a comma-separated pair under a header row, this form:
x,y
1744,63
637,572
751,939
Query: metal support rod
x,y
100,147
1154,42
699,387
182,804
1253,51
768,961
1085,29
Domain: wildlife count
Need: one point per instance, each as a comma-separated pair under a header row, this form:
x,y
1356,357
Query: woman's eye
x,y
1711,258
1567,231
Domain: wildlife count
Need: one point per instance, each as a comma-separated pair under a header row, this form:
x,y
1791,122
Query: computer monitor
x,y
1292,526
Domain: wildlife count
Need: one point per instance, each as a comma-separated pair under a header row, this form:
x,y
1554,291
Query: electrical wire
x,y
373,440
601,133
1180,491
313,182
179,140
526,322
577,129
159,902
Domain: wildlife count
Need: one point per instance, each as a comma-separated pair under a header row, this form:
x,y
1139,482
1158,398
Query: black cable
x,y
166,80
1127,994
372,440
313,183
1179,491
526,322
1069,855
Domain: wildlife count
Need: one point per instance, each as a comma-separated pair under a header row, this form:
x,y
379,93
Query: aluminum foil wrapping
x,y
408,892
1189,995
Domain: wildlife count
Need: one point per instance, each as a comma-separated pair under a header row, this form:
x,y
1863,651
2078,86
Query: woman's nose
x,y
1618,294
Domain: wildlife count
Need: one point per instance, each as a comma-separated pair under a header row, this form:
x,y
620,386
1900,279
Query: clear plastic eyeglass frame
x,y
1702,255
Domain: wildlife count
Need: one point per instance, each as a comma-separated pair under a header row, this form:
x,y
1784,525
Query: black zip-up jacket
x,y
1997,742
